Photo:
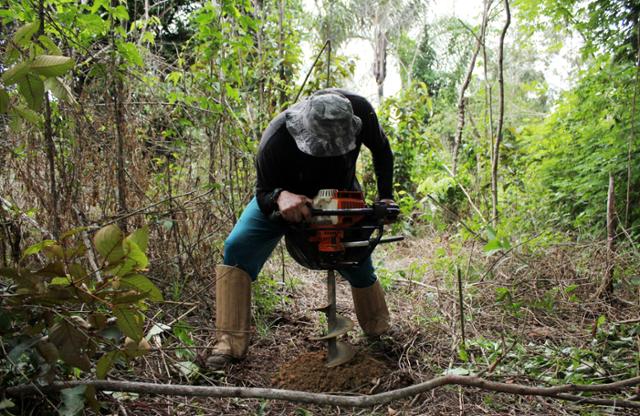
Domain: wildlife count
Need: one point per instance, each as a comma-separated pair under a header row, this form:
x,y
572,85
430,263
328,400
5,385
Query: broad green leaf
x,y
120,13
108,242
92,25
97,4
134,253
25,32
36,248
51,65
121,268
143,284
15,73
174,77
4,101
130,53
31,88
50,45
106,363
232,92
492,246
72,401
61,281
129,321
140,237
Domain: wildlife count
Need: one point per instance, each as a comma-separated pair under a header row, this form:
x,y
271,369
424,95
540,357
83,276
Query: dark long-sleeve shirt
x,y
280,164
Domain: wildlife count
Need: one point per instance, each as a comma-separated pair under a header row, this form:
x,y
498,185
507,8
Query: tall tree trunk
x,y
499,136
465,84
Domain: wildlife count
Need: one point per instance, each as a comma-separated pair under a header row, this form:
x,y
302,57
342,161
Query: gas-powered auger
x,y
342,233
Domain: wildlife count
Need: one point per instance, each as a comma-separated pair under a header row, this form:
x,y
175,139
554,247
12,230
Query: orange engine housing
x,y
330,228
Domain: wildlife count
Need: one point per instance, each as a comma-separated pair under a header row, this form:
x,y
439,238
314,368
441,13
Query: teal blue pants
x,y
255,236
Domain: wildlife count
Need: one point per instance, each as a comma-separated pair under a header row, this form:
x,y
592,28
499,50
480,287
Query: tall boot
x,y
233,316
371,309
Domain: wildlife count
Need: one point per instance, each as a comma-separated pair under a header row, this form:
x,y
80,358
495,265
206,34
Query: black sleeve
x,y
375,139
270,170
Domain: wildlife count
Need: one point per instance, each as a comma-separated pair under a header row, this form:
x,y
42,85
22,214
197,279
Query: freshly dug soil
x,y
308,373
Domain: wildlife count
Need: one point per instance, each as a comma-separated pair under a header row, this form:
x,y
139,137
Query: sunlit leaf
x,y
134,253
25,32
50,45
130,52
36,248
15,73
51,65
140,237
108,242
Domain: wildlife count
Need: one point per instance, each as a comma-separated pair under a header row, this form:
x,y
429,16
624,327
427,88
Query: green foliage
x,y
32,65
46,334
570,155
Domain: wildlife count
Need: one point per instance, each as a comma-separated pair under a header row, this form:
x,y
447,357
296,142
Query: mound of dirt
x,y
308,373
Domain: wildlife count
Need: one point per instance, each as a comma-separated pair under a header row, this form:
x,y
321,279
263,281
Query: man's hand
x,y
294,207
388,201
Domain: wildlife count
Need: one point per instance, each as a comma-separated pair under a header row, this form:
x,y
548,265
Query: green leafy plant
x,y
62,318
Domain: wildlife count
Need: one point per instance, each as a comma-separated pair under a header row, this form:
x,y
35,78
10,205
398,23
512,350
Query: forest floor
x,y
529,319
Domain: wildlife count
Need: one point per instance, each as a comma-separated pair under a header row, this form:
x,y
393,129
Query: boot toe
x,y
218,361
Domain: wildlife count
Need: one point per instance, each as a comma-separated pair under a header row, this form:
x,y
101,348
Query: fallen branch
x,y
557,392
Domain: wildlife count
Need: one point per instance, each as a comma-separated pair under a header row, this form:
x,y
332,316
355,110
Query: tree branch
x,y
557,392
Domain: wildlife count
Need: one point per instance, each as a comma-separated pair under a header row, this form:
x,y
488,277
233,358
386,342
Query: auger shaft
x,y
331,312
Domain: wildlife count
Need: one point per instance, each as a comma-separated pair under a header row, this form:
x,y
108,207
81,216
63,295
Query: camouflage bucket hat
x,y
324,125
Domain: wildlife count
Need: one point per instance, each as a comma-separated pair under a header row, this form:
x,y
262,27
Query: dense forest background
x,y
133,126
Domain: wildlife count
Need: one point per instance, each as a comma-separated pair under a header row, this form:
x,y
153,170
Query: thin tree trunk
x,y
496,149
606,287
281,68
118,113
120,137
50,146
465,84
632,138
